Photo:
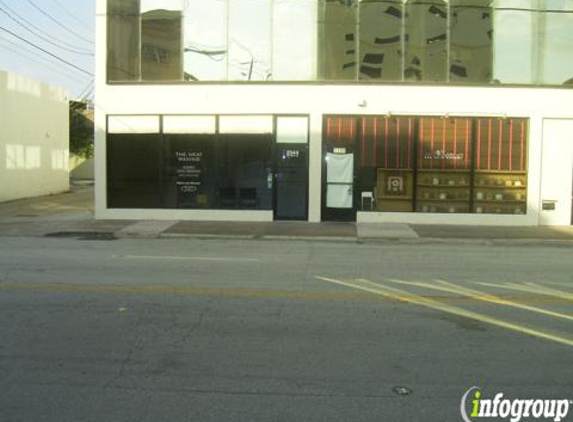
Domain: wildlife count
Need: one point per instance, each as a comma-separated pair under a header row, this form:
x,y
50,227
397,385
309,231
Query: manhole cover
x,y
402,391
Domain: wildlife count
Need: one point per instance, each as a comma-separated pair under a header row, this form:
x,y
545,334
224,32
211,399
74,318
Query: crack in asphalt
x,y
192,329
121,370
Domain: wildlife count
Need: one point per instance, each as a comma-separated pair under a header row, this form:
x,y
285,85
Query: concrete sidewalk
x,y
71,214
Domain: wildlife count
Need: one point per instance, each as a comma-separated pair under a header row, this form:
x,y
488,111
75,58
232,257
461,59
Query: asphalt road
x,y
219,330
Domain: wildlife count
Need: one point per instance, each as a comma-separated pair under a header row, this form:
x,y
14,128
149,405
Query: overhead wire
x,y
46,51
27,22
71,50
72,16
46,14
87,91
26,54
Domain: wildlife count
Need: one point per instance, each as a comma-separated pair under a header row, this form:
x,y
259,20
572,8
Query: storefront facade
x,y
371,111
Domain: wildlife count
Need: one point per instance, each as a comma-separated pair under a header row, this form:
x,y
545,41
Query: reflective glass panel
x,y
161,40
337,44
294,40
380,49
205,40
556,50
123,40
471,41
249,40
460,41
426,46
514,52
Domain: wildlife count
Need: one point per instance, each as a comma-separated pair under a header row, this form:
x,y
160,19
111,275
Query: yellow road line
x,y
386,291
187,258
500,301
534,288
481,296
232,292
186,291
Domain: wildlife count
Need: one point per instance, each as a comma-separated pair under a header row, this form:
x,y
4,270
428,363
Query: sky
x,y
64,29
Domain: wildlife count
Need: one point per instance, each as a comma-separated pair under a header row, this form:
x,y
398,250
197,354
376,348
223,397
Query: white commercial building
x,y
413,111
34,138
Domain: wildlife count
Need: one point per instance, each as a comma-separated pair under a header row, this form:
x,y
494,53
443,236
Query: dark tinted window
x,y
190,171
245,171
134,176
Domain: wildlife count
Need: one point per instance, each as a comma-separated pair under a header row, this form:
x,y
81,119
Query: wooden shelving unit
x,y
500,192
443,191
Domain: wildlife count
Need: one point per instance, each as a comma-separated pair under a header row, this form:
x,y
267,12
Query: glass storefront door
x,y
340,181
426,164
339,193
291,161
291,182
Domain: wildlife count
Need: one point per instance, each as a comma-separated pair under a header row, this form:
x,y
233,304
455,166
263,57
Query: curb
x,y
205,236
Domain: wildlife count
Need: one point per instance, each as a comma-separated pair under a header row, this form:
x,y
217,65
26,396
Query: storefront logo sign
x,y
189,156
396,184
443,155
514,410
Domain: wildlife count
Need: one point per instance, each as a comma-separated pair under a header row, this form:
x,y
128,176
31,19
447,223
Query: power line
x,y
84,53
87,91
43,12
71,15
33,58
46,51
23,19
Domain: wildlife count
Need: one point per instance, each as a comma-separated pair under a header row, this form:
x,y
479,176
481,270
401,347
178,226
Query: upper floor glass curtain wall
x,y
440,41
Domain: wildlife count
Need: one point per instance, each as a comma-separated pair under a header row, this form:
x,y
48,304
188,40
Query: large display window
x,y
189,170
443,180
434,164
134,173
500,181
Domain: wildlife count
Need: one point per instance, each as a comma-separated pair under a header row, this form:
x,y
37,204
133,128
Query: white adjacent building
x,y
413,111
34,138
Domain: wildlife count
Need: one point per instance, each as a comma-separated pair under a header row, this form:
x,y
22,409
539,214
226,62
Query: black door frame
x,y
275,148
333,214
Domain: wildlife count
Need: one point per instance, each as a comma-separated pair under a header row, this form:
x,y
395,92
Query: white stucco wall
x,y
81,168
34,138
317,100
